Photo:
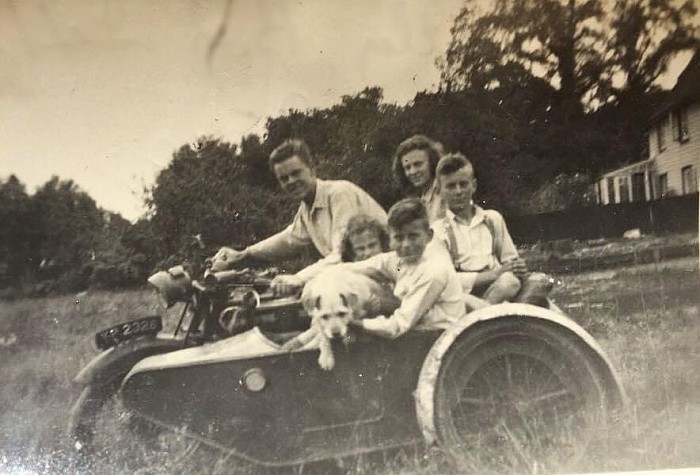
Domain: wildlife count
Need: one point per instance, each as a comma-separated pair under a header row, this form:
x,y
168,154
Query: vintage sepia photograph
x,y
370,237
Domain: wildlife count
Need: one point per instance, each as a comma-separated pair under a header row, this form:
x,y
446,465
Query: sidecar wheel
x,y
520,395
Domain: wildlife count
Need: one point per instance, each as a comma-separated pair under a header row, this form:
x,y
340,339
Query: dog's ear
x,y
317,304
349,300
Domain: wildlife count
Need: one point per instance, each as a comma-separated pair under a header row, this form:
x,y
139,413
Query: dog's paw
x,y
291,345
326,360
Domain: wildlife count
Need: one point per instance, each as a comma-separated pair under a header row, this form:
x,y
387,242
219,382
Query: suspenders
x,y
452,243
452,240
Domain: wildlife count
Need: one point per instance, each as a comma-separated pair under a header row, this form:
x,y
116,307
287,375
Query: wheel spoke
x,y
474,401
517,399
551,395
509,376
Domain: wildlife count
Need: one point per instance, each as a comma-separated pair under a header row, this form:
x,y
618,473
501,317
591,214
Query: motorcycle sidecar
x,y
508,384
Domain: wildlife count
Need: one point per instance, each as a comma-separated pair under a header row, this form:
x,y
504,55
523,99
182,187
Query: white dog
x,y
332,299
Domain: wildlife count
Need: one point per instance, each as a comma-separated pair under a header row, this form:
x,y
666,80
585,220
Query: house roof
x,y
636,167
686,90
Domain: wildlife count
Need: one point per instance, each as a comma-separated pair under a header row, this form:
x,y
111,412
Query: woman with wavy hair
x,y
414,170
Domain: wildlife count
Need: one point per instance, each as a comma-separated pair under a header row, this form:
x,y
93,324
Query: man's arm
x,y
283,244
502,237
346,201
311,271
377,267
508,255
415,304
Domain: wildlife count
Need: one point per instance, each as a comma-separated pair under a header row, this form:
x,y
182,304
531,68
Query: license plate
x,y
126,331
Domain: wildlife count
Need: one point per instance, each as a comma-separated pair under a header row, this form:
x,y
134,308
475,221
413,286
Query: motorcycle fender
x,y
424,392
122,357
83,377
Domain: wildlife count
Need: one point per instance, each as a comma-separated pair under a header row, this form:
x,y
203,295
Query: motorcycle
x,y
506,385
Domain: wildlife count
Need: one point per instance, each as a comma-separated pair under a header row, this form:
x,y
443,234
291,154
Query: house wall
x,y
677,154
618,179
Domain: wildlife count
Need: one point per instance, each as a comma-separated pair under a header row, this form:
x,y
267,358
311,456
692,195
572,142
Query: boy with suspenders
x,y
481,248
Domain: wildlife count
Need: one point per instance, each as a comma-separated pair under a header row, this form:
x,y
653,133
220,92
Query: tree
x,y
644,37
254,155
205,190
602,65
18,233
69,224
559,40
68,218
593,55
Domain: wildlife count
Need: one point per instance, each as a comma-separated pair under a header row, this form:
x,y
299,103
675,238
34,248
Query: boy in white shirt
x,y
425,280
481,248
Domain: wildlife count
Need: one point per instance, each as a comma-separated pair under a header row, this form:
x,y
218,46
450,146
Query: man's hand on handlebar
x,y
286,285
226,258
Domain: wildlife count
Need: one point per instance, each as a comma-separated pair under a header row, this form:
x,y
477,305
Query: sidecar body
x,y
494,369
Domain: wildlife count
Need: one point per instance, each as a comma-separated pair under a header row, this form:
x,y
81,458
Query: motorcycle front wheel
x,y
110,438
101,429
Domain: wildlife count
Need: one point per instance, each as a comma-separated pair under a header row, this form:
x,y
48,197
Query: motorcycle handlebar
x,y
234,276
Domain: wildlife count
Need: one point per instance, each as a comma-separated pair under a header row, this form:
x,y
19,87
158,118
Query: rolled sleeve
x,y
309,272
508,249
345,200
376,267
293,238
349,201
415,304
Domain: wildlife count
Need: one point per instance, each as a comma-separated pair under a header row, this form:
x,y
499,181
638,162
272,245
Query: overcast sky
x,y
103,92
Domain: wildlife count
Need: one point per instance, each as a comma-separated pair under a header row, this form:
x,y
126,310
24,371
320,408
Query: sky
x,y
104,91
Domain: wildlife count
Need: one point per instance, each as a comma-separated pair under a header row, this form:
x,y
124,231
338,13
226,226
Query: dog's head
x,y
332,312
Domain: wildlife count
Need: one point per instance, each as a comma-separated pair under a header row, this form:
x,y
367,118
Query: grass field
x,y
647,318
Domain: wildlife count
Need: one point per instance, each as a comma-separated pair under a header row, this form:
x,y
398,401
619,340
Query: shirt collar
x,y
321,198
476,219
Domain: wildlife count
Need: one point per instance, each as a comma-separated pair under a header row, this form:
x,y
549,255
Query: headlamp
x,y
173,285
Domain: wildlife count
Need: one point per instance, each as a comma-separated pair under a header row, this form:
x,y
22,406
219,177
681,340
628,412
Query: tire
x,y
519,394
97,407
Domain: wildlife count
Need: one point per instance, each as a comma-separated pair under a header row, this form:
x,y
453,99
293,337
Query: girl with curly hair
x,y
364,237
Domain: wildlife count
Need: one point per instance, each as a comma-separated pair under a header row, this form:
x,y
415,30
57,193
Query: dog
x,y
333,299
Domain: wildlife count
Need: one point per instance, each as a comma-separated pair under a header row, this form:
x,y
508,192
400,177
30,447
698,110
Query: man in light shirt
x,y
426,283
324,210
481,248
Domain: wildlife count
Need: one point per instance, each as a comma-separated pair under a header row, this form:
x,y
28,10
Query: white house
x,y
674,149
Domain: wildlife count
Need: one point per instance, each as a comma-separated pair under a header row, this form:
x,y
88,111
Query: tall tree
x,y
559,40
644,36
204,190
70,224
19,237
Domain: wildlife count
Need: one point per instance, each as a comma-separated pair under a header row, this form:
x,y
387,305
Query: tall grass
x,y
647,318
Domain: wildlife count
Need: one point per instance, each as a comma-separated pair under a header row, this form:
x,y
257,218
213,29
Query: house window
x,y
624,189
690,183
611,190
661,135
680,125
663,186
